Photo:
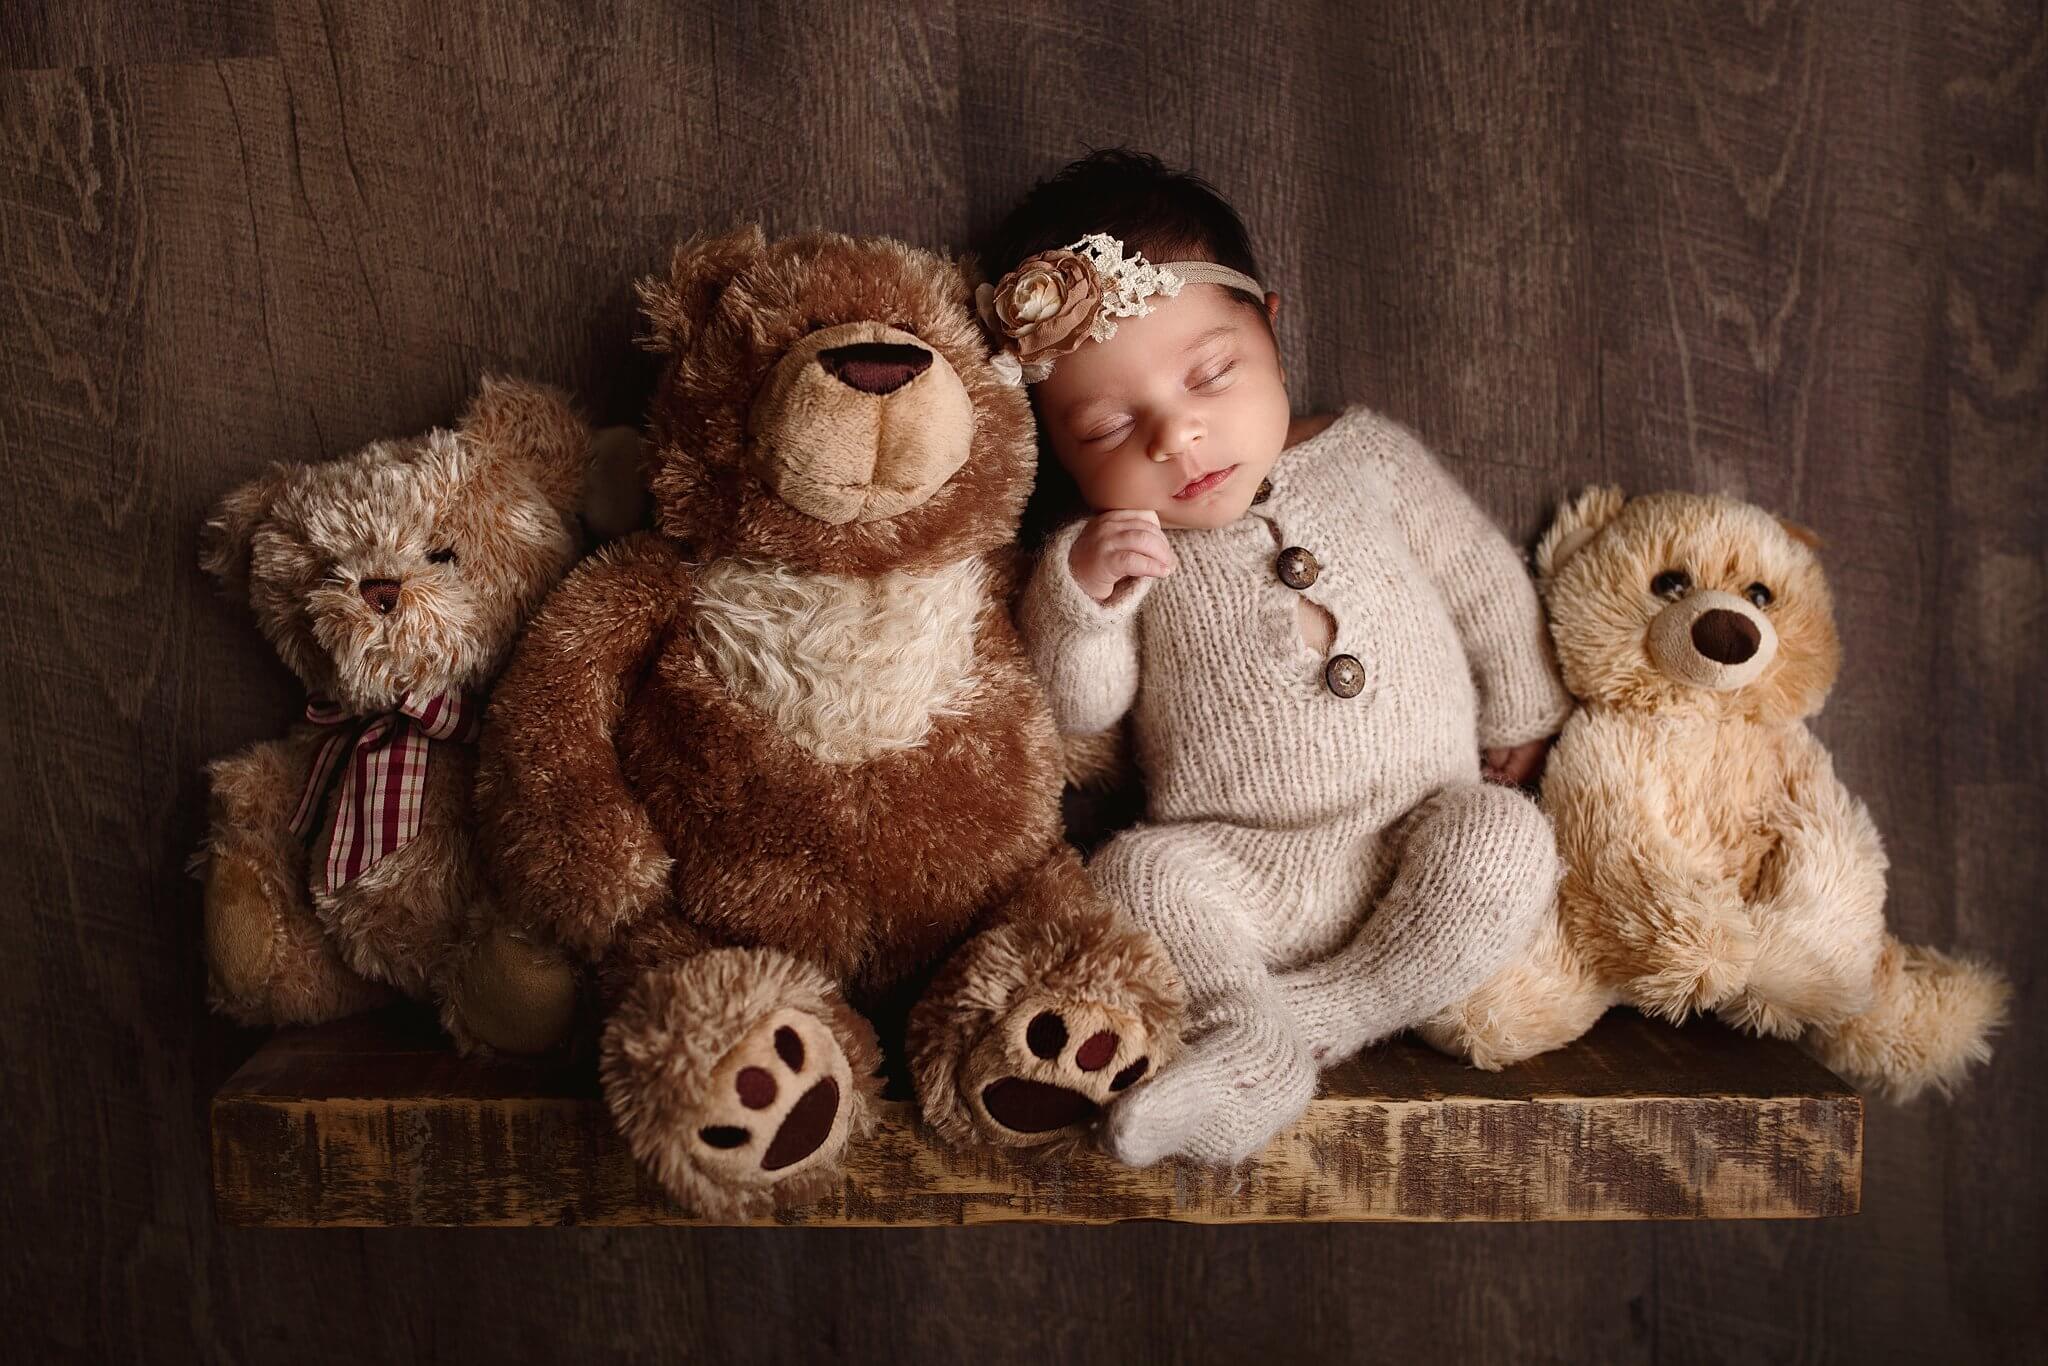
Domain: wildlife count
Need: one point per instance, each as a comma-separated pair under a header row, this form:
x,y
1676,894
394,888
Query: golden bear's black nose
x,y
381,594
1725,637
875,367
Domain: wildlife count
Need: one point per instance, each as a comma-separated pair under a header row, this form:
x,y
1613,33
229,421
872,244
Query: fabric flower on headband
x,y
1054,301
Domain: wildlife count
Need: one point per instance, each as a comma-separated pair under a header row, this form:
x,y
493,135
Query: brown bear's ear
x,y
1577,522
224,540
536,424
1805,535
697,274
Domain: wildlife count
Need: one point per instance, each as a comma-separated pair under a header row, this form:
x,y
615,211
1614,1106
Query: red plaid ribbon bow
x,y
382,763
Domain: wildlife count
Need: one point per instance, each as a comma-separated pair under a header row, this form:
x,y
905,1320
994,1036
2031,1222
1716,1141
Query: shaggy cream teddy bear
x,y
341,866
1713,860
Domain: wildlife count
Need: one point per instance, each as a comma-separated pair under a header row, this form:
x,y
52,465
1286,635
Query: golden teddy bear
x,y
1713,861
340,866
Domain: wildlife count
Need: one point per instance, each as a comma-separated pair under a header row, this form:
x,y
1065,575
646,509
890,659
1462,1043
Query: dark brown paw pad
x,y
1051,1067
776,1098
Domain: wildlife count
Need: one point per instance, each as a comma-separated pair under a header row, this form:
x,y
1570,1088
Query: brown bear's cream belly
x,y
847,668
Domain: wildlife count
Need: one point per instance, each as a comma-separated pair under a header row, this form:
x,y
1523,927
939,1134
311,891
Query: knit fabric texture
x,y
1326,869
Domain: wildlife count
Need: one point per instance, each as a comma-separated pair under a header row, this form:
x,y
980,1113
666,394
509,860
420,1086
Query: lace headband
x,y
1054,301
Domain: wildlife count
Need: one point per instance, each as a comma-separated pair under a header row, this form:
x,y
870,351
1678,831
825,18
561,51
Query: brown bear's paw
x,y
507,991
1050,1067
739,1078
268,960
1699,964
1029,1035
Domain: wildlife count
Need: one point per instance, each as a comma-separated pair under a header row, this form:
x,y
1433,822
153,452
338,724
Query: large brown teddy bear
x,y
1713,861
340,864
784,755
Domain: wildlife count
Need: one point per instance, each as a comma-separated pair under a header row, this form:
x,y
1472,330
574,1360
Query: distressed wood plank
x,y
372,1122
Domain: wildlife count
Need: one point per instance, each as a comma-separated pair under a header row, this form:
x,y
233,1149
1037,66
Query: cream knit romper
x,y
1319,853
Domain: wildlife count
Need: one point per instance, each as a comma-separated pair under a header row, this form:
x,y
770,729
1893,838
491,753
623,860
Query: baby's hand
x,y
1117,545
1518,766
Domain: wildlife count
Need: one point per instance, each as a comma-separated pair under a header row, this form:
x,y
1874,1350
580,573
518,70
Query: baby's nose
x,y
381,594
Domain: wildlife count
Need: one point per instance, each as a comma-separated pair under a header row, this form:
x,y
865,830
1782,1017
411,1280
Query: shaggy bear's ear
x,y
537,425
1805,535
1577,523
224,540
697,274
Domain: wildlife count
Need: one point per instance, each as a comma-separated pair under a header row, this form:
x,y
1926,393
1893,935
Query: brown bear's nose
x,y
875,367
1725,637
381,594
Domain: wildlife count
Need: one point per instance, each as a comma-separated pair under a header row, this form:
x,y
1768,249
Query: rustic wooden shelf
x,y
374,1121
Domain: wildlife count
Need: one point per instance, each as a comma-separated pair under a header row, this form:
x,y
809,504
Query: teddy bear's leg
x,y
269,959
738,1076
1543,1000
1930,1021
1243,1073
1476,875
1819,915
1041,1021
504,989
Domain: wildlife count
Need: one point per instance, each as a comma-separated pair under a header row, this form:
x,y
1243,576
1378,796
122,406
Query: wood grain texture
x,y
375,1122
1792,250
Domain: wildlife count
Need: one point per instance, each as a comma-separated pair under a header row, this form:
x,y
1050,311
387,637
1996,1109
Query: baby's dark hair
x,y
1167,215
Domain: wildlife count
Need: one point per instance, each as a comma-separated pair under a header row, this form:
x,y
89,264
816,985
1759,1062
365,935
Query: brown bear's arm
x,y
572,851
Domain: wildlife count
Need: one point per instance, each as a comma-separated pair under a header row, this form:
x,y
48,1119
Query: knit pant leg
x,y
1245,1073
1477,870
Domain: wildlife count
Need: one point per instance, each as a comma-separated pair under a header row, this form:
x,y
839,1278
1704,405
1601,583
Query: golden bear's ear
x,y
1577,522
537,425
1805,535
224,540
697,274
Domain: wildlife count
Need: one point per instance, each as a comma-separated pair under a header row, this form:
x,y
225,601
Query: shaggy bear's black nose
x,y
1725,637
875,367
381,594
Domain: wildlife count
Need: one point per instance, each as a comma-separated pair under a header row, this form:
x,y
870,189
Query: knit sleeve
x,y
1085,652
1487,586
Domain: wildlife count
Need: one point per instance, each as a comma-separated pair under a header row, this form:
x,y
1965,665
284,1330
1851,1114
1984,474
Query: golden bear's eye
x,y
445,555
1672,584
1758,595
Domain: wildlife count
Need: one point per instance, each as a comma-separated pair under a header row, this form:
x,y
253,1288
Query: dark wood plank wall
x,y
1794,251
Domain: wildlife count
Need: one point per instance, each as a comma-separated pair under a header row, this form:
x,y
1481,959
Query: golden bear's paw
x,y
1697,964
739,1078
268,961
1498,1026
509,992
1031,1032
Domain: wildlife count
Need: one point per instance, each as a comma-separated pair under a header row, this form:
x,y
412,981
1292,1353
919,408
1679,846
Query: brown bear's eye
x,y
1758,595
445,555
904,327
1672,584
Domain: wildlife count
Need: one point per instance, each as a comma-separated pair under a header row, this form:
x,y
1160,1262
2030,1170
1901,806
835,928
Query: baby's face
x,y
1182,412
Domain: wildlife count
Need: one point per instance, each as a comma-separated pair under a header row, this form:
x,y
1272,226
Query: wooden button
x,y
1265,491
1344,675
1298,568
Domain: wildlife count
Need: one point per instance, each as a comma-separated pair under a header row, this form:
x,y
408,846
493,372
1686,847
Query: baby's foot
x,y
1222,1100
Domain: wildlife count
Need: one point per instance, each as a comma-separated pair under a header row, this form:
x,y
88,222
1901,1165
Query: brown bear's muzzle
x,y
860,422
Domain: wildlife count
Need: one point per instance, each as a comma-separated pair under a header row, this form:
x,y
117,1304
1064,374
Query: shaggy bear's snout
x,y
875,367
1725,637
381,594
